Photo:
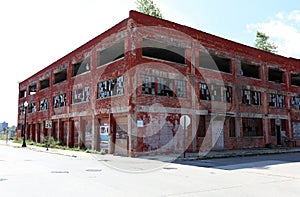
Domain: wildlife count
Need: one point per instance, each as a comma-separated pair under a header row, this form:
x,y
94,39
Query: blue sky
x,y
35,33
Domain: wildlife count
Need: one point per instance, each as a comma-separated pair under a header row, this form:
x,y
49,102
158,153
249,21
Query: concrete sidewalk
x,y
167,157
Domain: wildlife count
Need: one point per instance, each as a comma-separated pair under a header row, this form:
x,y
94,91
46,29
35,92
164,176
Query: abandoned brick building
x,y
138,78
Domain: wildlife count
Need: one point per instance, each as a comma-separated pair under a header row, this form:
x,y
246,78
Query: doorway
x,y
278,132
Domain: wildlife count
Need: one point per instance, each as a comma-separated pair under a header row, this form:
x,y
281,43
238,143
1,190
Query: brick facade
x,y
142,75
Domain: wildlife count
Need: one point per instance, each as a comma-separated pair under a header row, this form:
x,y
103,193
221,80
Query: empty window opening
x,y
273,127
251,97
163,51
31,107
60,100
32,89
22,93
82,67
201,131
111,87
60,76
81,95
163,86
295,102
112,53
45,83
44,105
213,62
231,127
275,75
252,127
295,79
249,70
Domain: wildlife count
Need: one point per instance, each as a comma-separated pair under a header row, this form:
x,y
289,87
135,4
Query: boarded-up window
x,y
252,127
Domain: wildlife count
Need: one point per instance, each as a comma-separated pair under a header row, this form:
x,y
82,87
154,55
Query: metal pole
x,y
184,135
24,130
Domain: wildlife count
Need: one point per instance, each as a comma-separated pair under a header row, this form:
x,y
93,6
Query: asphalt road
x,y
25,172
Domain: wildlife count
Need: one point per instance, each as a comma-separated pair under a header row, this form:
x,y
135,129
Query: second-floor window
x,y
60,100
251,97
295,102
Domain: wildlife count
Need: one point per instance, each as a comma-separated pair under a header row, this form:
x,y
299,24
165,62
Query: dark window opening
x,y
32,89
252,127
111,87
82,67
45,83
283,125
249,70
295,79
296,102
60,100
213,62
44,105
22,94
112,53
163,51
201,132
231,127
228,94
275,75
60,76
204,92
273,127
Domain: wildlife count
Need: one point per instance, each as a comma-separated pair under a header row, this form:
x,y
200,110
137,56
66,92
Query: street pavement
x,y
34,171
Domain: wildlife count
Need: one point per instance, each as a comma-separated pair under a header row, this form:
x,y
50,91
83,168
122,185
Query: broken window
x,y
148,86
215,93
281,102
275,75
295,79
296,102
249,70
44,83
32,89
231,127
22,93
251,97
22,109
204,92
82,67
44,105
277,101
60,76
163,51
228,94
273,100
180,88
246,98
31,107
163,86
111,87
81,95
201,132
252,127
112,53
60,100
214,62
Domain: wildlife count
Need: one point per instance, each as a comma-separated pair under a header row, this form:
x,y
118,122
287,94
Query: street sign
x,y
185,121
48,124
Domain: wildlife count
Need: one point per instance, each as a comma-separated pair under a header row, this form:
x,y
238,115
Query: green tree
x,y
148,7
262,42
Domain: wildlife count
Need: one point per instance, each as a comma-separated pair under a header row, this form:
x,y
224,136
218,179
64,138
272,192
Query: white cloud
x,y
283,30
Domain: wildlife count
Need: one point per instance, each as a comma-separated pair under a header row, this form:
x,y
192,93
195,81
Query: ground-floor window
x,y
273,127
252,127
201,132
231,127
